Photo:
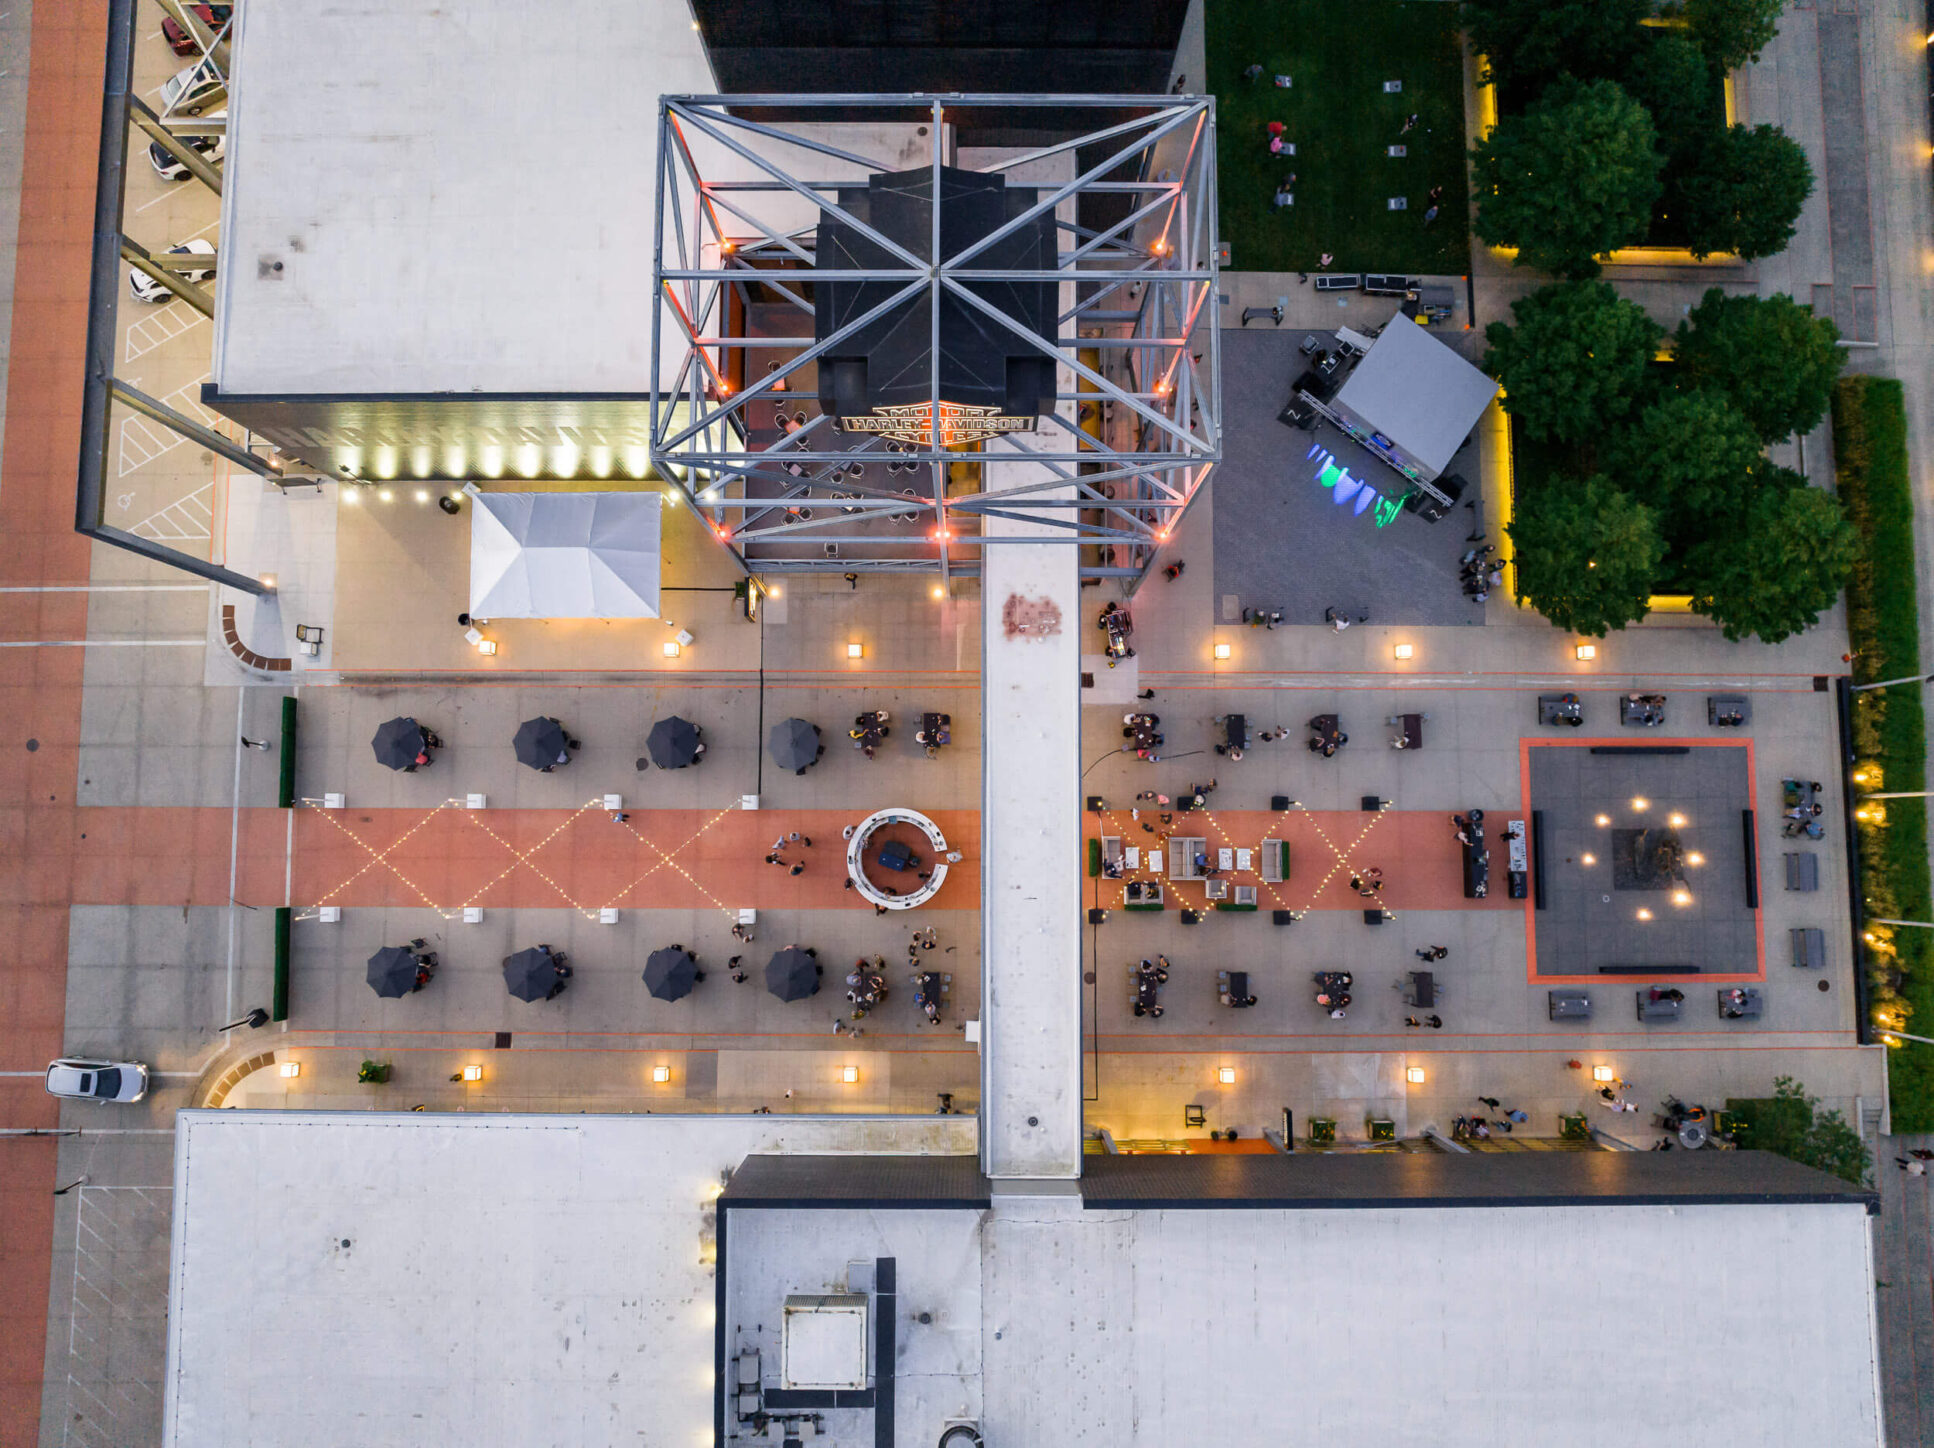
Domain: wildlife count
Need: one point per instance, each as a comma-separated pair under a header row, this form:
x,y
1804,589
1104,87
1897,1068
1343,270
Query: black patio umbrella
x,y
672,743
530,974
794,743
540,743
392,971
670,973
792,975
397,743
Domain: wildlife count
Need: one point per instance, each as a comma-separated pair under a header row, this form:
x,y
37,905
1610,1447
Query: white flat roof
x,y
475,1280
459,197
1417,392
509,1280
1458,1327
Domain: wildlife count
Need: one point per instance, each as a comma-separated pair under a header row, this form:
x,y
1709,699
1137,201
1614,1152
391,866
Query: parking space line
x,y
185,520
160,326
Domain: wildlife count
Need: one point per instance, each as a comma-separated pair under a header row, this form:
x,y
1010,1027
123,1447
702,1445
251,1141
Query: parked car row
x,y
188,92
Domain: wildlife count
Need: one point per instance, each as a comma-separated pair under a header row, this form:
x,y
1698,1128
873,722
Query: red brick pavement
x,y
40,688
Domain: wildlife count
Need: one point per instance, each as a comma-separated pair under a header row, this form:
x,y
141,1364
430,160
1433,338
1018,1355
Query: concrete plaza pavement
x,y
143,730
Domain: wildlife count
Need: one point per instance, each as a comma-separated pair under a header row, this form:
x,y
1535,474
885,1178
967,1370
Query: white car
x,y
191,89
210,148
98,1081
147,289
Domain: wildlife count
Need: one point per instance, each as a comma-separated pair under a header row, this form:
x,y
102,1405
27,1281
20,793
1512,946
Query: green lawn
x,y
1341,121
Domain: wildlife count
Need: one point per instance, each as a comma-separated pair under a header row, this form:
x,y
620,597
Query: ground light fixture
x,y
1601,1073
670,648
1588,859
1226,1075
1222,651
488,648
1414,1075
1403,651
1640,803
856,651
1585,653
290,1070
850,1075
473,1073
661,1074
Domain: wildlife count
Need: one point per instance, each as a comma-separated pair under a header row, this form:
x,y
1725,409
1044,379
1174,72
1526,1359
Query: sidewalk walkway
x,y
40,687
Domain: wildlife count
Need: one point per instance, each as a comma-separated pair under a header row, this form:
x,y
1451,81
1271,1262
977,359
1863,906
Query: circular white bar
x,y
856,854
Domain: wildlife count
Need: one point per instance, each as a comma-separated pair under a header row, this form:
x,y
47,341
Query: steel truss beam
x,y
101,389
1120,476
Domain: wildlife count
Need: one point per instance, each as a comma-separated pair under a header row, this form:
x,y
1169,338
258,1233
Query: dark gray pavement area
x,y
1591,916
1282,541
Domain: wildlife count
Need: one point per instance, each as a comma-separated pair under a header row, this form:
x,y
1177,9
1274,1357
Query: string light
x,y
1151,854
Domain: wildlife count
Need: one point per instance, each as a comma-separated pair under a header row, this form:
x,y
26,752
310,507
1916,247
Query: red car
x,y
180,41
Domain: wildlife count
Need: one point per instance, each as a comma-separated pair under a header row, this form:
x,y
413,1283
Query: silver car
x,y
98,1081
147,289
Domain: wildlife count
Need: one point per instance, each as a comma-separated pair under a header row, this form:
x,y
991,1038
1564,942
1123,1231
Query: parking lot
x,y
161,485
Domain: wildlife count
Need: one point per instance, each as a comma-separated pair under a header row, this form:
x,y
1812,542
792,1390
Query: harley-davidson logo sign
x,y
960,422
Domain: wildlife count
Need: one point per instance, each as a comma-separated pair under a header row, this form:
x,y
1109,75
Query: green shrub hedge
x,y
1889,725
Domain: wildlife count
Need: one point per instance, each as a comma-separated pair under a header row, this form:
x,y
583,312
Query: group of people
x,y
866,985
1326,735
934,731
431,741
1150,976
868,730
1645,710
563,755
1145,731
1479,573
559,963
1333,992
426,961
777,856
927,996
1235,735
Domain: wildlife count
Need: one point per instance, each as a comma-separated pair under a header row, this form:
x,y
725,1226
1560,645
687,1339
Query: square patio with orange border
x,y
1641,859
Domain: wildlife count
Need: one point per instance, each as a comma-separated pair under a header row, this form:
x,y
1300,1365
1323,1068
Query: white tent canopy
x,y
564,555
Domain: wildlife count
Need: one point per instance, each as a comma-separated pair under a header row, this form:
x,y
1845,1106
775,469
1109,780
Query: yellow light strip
x,y
523,857
665,859
378,857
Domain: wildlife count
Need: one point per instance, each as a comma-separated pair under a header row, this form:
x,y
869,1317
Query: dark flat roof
x,y
857,1181
1313,1181
1325,1180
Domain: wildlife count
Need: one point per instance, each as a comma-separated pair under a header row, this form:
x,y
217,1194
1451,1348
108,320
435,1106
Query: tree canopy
x,y
1573,176
1771,357
1778,564
1530,42
1586,554
1690,454
1670,76
1733,32
1742,192
1791,1123
1576,360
